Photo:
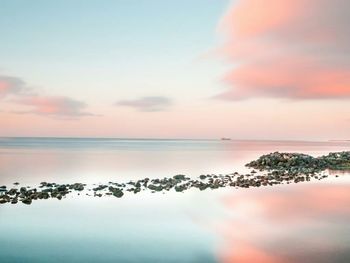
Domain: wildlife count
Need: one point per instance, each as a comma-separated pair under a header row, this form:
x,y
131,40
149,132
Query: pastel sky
x,y
175,69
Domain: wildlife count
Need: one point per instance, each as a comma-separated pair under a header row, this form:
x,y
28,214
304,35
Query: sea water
x,y
305,222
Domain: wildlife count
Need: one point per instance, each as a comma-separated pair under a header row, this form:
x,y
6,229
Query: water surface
x,y
305,222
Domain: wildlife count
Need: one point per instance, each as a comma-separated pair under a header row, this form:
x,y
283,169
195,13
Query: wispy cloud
x,y
147,104
53,106
296,49
10,85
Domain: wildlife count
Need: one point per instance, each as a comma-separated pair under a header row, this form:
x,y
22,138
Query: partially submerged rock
x,y
27,201
180,177
116,191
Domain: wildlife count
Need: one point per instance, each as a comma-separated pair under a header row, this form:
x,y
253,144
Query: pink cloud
x,y
294,49
58,106
54,106
10,85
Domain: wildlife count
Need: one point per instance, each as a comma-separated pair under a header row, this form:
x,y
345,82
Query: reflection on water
x,y
339,172
146,228
32,160
303,223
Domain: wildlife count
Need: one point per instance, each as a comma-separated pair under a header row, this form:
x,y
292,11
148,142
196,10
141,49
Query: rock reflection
x,y
339,172
303,223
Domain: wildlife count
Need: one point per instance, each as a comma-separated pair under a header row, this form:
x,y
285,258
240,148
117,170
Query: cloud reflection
x,y
303,223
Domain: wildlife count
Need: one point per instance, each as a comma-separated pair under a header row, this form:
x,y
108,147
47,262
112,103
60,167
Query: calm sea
x,y
305,222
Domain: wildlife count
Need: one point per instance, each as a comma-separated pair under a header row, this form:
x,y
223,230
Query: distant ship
x,y
225,139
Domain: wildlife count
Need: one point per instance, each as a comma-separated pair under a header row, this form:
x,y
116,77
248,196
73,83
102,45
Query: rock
x,y
27,201
180,188
180,177
153,187
12,191
62,188
3,201
137,190
78,187
100,187
43,195
116,192
43,184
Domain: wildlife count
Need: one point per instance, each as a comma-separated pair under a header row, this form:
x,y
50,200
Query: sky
x,y
175,69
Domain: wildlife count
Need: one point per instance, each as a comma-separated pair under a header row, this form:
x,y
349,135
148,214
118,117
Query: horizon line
x,y
226,139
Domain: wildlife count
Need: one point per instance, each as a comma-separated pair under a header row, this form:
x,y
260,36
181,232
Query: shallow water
x,y
305,222
32,160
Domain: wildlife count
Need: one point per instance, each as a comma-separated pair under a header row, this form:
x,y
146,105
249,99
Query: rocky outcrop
x,y
274,168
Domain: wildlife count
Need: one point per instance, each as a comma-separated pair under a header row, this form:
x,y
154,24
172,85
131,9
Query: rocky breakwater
x,y
268,170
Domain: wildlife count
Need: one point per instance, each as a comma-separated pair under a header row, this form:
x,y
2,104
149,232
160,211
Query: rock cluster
x,y
297,163
275,168
27,195
337,161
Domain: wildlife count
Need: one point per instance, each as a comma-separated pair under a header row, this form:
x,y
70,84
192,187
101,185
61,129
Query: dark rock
x,y
180,177
180,188
100,187
12,191
62,188
27,201
43,195
78,187
137,190
3,201
153,187
116,192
